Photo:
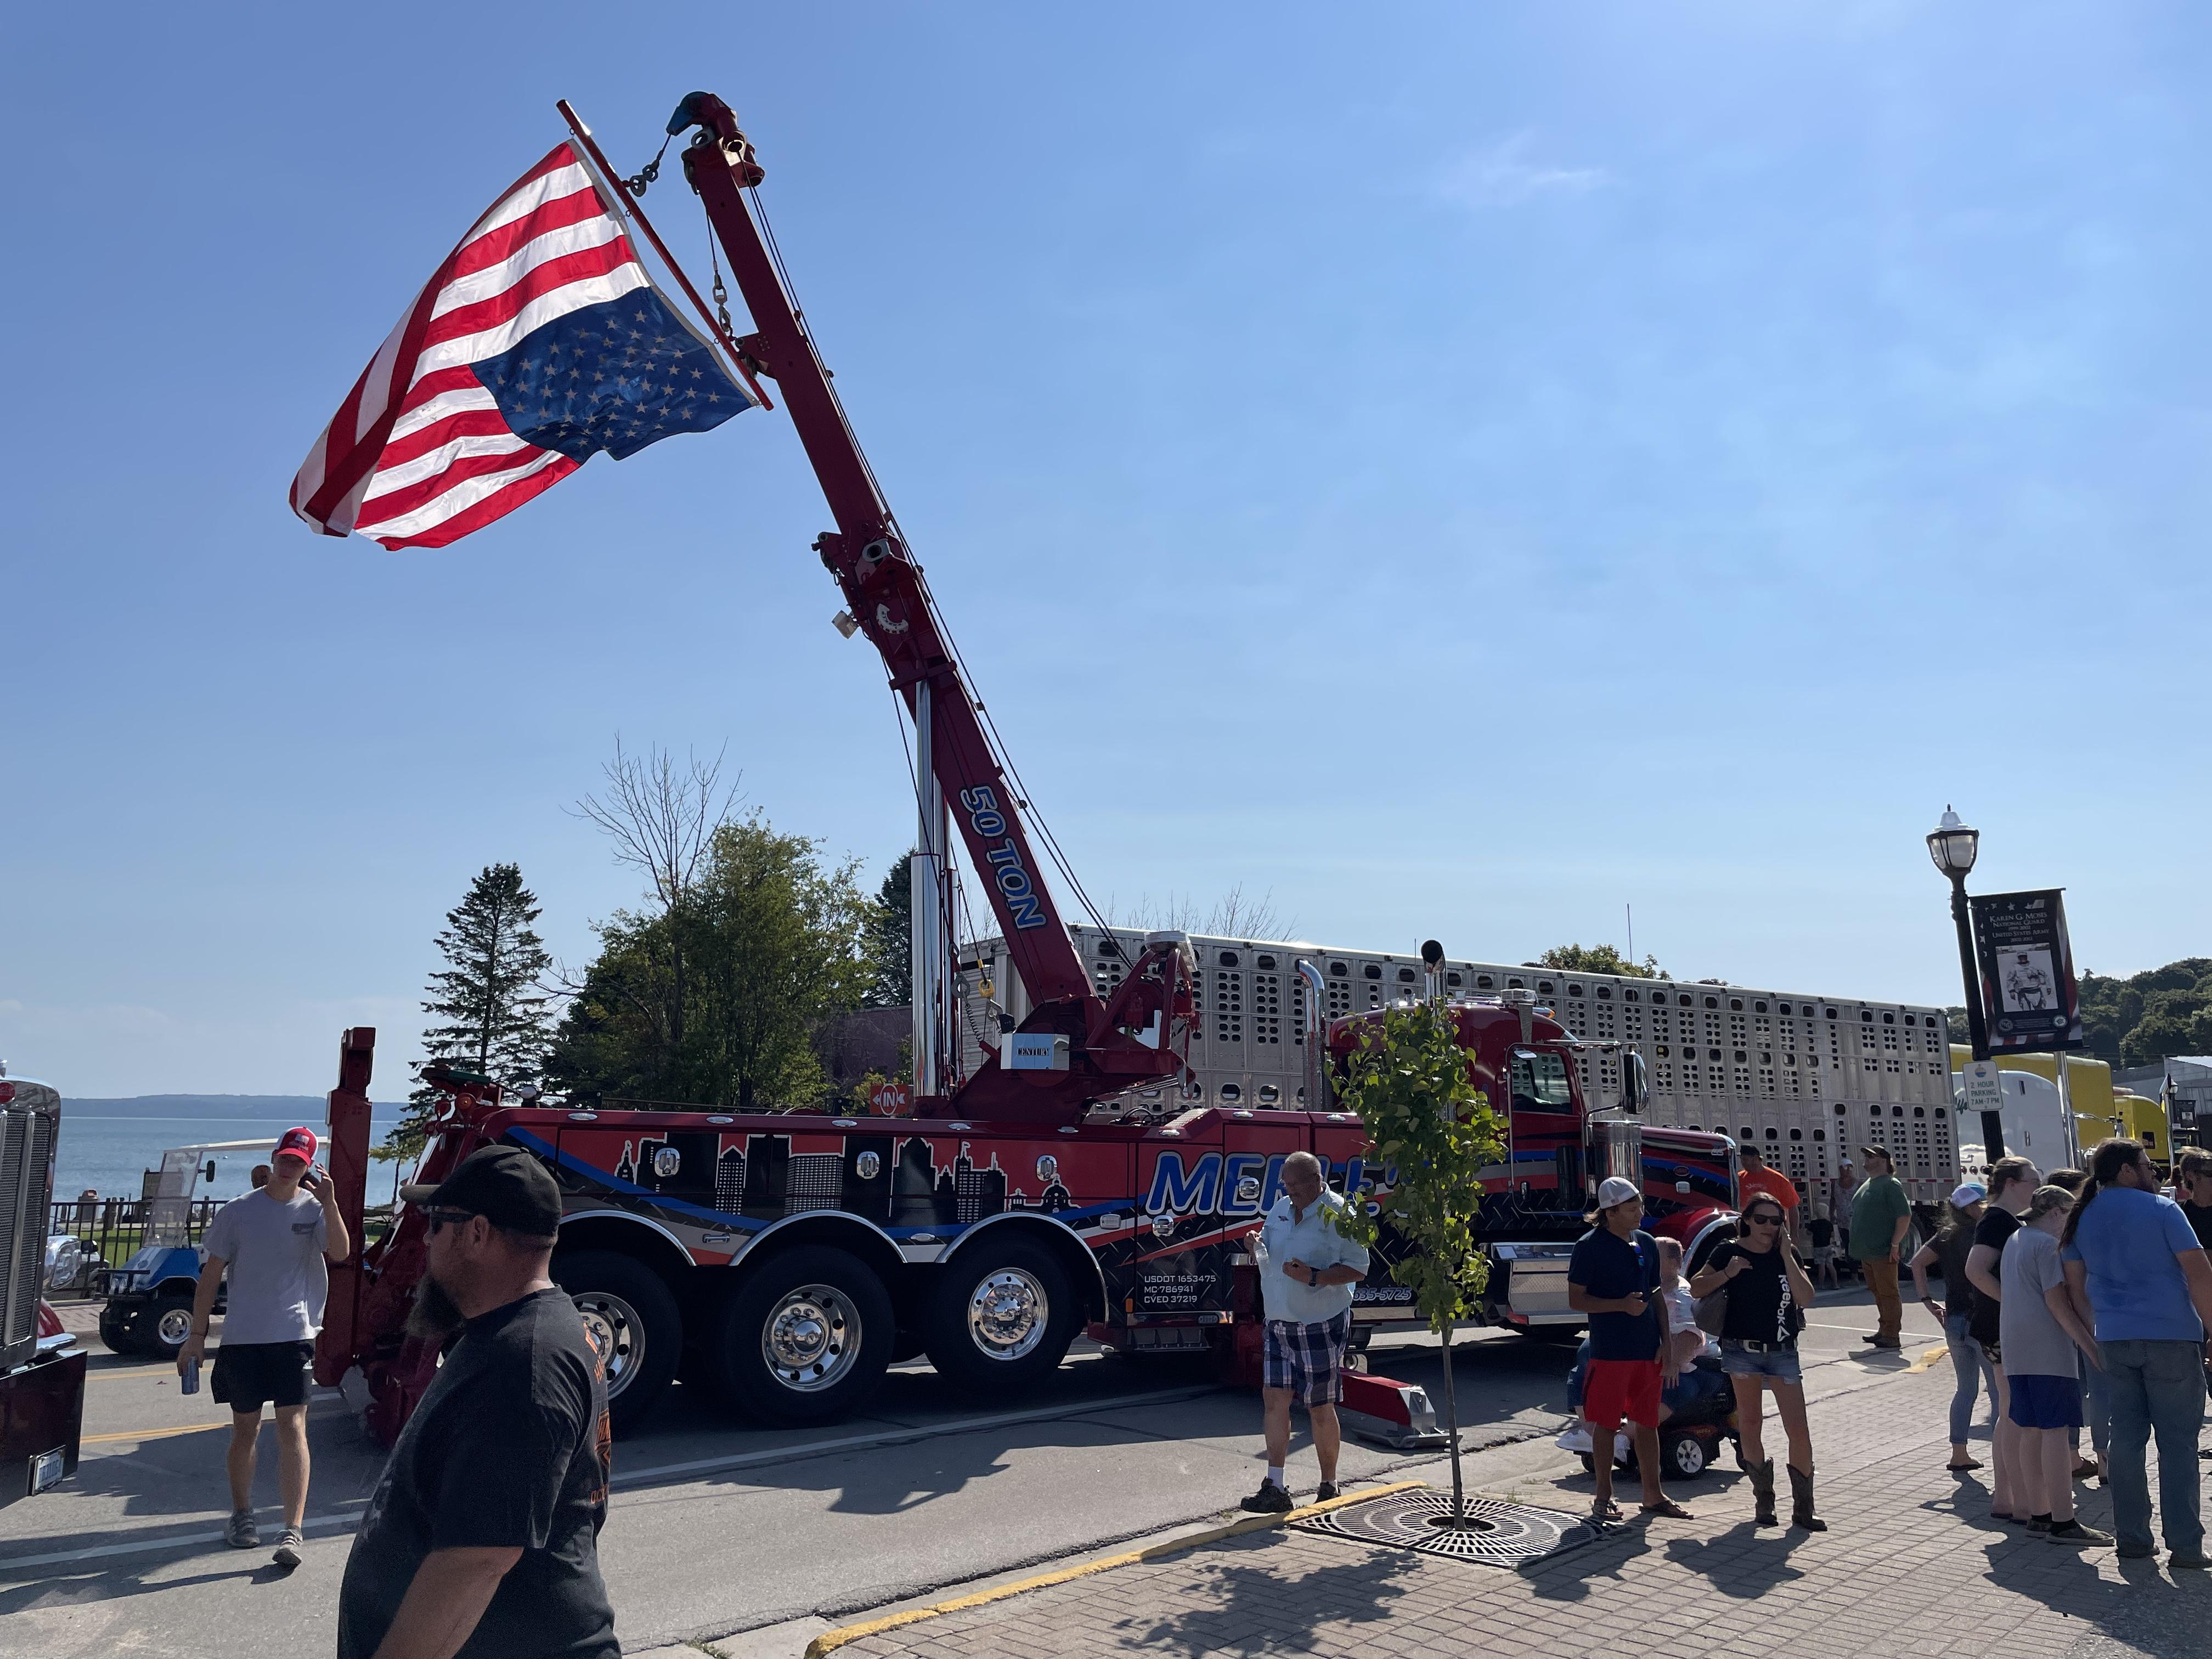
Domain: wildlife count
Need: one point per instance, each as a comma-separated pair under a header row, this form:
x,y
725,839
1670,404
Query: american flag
x,y
538,341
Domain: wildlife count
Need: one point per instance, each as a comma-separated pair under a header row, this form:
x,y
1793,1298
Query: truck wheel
x,y
633,1320
1000,1317
806,1338
166,1327
115,1331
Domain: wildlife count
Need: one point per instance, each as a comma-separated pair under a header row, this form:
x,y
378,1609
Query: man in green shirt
x,y
1880,1216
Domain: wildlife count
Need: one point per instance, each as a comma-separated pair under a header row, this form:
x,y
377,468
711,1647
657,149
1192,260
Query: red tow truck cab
x,y
1556,1151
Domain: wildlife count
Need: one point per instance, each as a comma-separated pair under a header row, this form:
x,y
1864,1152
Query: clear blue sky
x,y
1461,469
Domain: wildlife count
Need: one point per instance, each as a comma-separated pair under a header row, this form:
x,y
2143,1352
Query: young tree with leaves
x,y
1433,1133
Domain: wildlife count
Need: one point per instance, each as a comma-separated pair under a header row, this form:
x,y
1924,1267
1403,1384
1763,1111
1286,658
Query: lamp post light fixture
x,y
1953,845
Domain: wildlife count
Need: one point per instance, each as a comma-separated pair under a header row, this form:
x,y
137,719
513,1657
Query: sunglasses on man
x,y
443,1217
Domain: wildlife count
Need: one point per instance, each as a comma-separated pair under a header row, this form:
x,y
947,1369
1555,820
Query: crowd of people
x,y
2078,1300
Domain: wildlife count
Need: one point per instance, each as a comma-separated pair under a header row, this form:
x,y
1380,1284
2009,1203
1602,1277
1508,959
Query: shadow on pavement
x,y
1254,1607
1744,1562
67,1587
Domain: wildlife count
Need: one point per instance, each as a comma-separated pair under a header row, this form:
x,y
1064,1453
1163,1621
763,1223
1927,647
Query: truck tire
x,y
633,1320
1000,1317
115,1330
165,1327
805,1339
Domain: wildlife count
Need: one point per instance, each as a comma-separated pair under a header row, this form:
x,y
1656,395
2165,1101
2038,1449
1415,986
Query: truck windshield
x,y
1540,1083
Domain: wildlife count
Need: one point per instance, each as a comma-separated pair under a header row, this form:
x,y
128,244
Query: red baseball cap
x,y
300,1141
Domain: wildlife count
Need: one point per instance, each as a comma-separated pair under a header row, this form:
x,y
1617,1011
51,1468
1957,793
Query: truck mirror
x,y
208,1174
1633,1090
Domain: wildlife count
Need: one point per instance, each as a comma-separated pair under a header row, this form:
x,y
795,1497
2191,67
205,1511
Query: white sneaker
x,y
1623,1444
1576,1439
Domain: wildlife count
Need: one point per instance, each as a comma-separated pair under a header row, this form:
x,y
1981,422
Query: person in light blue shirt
x,y
2136,1273
1307,1270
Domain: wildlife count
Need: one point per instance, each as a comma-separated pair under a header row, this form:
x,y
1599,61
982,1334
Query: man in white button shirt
x,y
1307,1270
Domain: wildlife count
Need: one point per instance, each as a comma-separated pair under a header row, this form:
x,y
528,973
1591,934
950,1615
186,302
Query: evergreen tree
x,y
497,1023
888,938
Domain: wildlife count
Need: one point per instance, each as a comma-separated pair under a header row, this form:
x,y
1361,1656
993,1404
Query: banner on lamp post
x,y
2028,993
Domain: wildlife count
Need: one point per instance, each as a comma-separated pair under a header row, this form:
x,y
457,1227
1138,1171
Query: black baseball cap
x,y
505,1185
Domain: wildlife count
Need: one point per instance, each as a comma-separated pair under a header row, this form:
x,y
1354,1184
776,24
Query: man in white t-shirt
x,y
1307,1270
275,1242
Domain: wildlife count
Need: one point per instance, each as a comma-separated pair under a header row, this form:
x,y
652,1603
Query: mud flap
x,y
1385,1412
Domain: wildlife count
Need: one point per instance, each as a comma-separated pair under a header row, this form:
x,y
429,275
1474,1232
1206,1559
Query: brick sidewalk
x,y
1913,1565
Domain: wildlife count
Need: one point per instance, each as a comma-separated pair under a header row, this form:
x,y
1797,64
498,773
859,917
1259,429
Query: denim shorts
x,y
1780,1364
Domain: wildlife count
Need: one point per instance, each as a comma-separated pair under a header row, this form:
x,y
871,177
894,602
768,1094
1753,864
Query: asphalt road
x,y
717,1527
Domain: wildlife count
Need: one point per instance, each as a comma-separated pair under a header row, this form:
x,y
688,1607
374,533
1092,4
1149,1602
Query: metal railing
x,y
112,1230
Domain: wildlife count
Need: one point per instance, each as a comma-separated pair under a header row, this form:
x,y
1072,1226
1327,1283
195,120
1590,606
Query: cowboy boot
x,y
1800,1501
1762,1492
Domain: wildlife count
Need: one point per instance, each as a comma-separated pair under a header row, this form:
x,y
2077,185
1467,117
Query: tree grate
x,y
1503,1535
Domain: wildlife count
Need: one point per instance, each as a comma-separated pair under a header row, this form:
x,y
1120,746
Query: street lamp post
x,y
1953,846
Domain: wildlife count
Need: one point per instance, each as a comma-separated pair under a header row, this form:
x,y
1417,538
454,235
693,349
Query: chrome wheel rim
x,y
1007,1313
811,1339
617,1332
174,1327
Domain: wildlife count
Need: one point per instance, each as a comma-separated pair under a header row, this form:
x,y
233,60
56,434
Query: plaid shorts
x,y
1307,1360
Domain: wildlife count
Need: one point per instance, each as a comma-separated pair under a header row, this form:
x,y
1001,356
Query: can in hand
x,y
192,1382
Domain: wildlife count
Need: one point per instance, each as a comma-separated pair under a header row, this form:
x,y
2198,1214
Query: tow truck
x,y
783,1262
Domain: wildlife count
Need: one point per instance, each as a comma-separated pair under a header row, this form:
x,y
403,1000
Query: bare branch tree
x,y
1233,915
661,820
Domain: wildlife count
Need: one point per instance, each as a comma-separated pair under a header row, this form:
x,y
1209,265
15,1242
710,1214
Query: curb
x,y
831,1640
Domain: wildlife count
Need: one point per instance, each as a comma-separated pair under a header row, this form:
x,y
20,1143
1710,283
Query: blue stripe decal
x,y
724,1221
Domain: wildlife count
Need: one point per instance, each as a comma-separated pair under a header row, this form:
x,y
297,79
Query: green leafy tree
x,y
1599,959
489,994
770,946
2147,1015
889,938
777,952
1434,1132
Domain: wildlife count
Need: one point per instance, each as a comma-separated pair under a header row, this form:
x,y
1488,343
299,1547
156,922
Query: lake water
x,y
109,1149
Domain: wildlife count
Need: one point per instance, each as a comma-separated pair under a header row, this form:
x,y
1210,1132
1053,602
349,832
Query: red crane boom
x,y
1108,1044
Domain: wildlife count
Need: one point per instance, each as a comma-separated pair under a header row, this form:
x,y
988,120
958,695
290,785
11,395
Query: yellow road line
x,y
831,1640
149,1434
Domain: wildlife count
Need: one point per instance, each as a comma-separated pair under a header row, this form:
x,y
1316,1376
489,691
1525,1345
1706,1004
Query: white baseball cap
x,y
1616,1189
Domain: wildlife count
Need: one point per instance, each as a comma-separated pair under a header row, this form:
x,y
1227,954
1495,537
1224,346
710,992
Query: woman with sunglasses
x,y
1767,1292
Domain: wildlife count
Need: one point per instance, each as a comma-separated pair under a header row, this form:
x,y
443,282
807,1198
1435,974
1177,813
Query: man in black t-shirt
x,y
481,1541
2193,1185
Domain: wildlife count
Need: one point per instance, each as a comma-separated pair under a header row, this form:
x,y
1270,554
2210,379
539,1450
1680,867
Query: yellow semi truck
x,y
2099,1110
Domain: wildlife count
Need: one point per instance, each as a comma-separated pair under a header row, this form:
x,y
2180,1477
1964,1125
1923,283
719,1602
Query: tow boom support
x,y
1108,1046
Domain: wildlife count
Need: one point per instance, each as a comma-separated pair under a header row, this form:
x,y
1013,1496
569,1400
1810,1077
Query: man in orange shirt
x,y
1757,1178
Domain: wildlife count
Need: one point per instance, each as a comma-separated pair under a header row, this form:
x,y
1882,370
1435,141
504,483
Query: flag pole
x,y
618,200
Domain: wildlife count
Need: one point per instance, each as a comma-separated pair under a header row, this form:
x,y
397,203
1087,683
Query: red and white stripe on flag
x,y
419,453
